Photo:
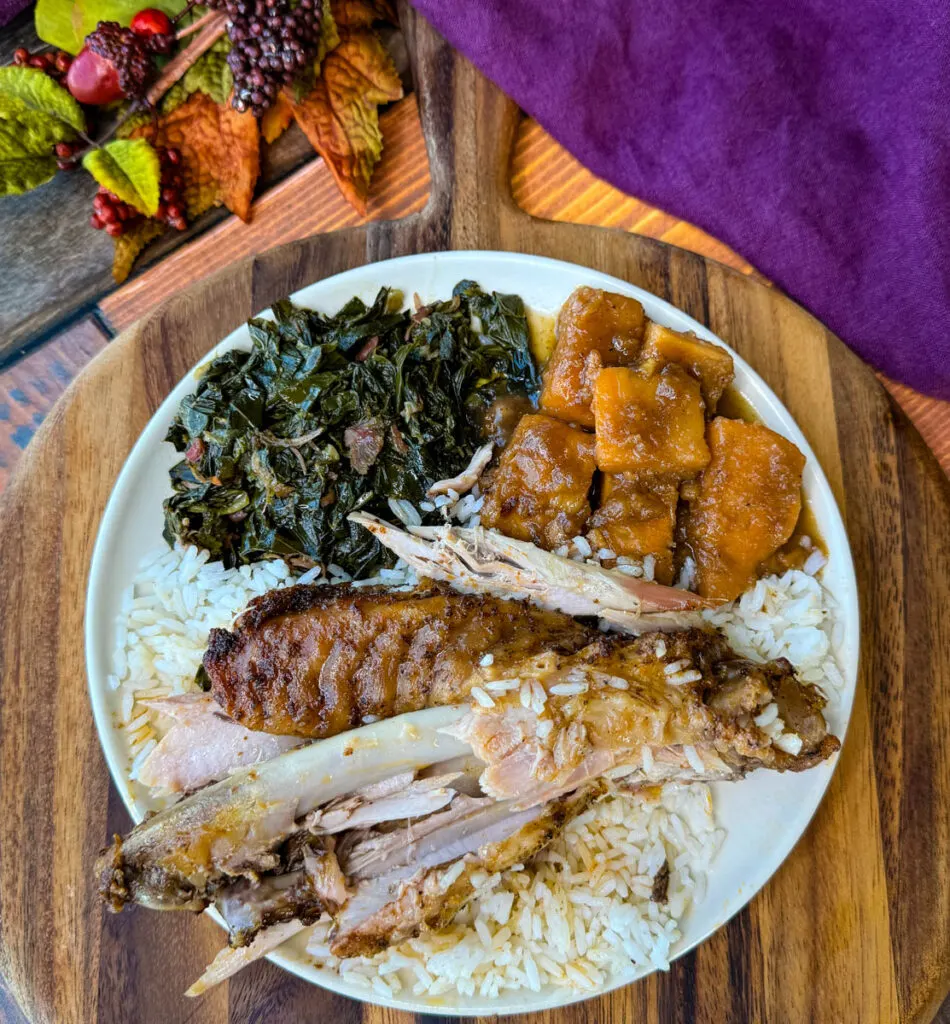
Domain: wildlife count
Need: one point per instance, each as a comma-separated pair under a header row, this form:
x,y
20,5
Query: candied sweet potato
x,y
636,520
710,364
750,497
649,425
540,490
594,328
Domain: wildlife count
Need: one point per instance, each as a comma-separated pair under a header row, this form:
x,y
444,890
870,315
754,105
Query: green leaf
x,y
209,74
130,169
66,23
38,93
27,138
329,34
21,170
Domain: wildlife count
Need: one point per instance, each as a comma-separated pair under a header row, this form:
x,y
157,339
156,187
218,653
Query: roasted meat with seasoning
x,y
313,661
382,827
646,710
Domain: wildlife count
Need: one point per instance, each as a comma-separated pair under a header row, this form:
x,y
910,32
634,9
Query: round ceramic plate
x,y
763,815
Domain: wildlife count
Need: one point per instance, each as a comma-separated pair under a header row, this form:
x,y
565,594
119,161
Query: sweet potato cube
x,y
710,364
750,497
594,328
649,425
540,491
636,520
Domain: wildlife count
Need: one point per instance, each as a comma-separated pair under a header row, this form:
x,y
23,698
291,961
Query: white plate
x,y
764,815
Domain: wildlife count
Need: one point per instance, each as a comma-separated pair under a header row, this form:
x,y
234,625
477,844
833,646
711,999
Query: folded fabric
x,y
813,137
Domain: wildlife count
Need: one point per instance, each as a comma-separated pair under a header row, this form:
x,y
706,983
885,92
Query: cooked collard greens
x,y
329,414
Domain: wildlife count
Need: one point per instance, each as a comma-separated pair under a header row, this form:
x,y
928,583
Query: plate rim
x,y
849,612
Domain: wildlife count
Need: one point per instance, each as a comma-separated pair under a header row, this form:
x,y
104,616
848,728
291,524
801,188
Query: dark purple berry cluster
x,y
272,41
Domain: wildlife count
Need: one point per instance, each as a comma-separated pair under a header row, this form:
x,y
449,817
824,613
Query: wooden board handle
x,y
468,124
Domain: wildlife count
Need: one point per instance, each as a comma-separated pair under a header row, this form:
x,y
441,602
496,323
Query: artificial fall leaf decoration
x,y
128,168
220,153
340,116
130,244
176,145
362,13
277,119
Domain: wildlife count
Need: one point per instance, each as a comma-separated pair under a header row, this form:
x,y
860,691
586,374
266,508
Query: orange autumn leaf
x,y
362,13
340,116
130,244
276,119
220,153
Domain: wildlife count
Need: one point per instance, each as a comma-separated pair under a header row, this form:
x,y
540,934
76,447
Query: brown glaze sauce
x,y
502,416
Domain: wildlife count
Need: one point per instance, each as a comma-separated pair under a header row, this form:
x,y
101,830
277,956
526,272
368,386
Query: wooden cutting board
x,y
854,927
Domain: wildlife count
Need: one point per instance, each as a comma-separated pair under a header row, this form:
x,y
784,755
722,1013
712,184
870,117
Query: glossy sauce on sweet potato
x,y
636,519
594,329
649,425
710,364
747,505
540,490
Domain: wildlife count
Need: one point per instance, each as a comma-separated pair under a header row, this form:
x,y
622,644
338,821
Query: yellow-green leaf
x,y
209,74
39,94
130,168
66,23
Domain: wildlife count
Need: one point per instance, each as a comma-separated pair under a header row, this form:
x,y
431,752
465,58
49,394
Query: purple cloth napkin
x,y
9,9
812,136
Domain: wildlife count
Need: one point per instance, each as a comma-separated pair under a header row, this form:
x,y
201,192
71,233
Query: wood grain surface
x,y
854,927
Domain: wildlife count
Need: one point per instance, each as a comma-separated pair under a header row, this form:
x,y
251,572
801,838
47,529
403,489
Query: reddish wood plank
x,y
30,387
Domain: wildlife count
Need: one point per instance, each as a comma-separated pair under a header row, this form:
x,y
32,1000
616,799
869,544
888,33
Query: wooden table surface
x,y
546,182
854,927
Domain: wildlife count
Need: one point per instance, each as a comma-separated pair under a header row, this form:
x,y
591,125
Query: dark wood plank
x,y
855,924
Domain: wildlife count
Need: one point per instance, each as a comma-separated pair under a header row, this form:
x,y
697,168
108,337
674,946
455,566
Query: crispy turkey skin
x,y
314,661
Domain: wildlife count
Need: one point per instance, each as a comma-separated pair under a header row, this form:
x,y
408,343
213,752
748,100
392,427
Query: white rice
x,y
789,616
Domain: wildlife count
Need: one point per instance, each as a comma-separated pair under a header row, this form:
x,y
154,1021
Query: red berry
x,y
21,55
93,79
64,150
63,61
114,229
37,62
151,22
173,156
96,222
175,212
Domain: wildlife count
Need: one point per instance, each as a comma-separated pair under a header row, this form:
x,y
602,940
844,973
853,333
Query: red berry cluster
x,y
66,154
112,215
54,63
171,206
115,217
